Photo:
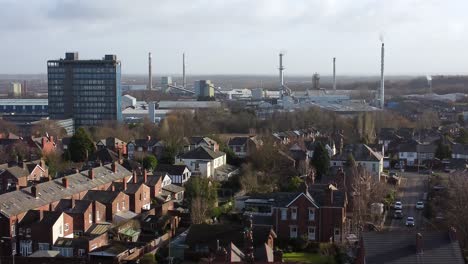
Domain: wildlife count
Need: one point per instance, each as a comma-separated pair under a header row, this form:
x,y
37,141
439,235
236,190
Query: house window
x,y
293,231
28,232
43,246
334,163
81,252
25,247
144,195
311,214
98,215
118,207
90,217
293,213
373,167
13,230
123,205
311,232
67,227
284,214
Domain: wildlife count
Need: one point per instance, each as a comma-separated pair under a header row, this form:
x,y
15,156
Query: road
x,y
411,190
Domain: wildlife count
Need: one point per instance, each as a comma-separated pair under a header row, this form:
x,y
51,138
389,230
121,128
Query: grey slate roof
x,y
105,197
202,153
16,202
171,169
238,141
361,152
400,247
172,188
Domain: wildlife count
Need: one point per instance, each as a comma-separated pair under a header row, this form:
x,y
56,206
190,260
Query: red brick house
x,y
23,175
139,197
114,201
317,214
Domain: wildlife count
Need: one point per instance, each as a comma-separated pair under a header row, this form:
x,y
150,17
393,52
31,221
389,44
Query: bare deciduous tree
x,y
457,205
199,210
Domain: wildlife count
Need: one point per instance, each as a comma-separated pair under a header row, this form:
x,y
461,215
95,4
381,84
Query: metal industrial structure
x,y
150,76
334,74
316,81
285,91
429,83
184,81
382,77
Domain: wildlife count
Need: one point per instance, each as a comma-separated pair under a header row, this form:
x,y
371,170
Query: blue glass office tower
x,y
89,91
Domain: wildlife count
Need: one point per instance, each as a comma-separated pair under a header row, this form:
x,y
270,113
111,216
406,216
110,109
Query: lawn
x,y
312,258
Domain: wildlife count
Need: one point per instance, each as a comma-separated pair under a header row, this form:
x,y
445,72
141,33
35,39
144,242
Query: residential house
x,y
318,213
179,174
22,175
364,156
196,142
139,196
228,243
203,161
114,201
426,152
40,229
143,146
85,213
114,144
243,146
410,247
104,156
176,192
460,151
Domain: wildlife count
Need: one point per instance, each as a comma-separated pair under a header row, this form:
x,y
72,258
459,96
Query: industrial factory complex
x,y
66,76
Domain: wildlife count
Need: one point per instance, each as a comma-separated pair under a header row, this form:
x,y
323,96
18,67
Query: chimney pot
x,y
419,243
65,182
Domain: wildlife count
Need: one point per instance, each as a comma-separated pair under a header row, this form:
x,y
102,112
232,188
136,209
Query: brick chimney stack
x,y
329,195
134,177
145,175
34,191
114,167
124,184
419,243
65,182
91,174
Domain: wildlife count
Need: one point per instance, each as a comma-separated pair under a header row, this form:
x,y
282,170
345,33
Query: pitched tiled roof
x,y
104,155
238,141
202,153
172,188
105,197
171,169
16,202
361,152
400,247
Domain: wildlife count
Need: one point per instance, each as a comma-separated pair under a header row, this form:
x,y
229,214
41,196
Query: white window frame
x,y
293,213
311,235
293,234
98,215
311,214
67,227
284,214
90,217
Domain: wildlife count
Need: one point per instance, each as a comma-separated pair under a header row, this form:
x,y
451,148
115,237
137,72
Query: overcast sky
x,y
239,36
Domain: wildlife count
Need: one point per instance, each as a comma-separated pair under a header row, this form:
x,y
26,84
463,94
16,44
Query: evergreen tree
x,y
81,145
321,160
150,162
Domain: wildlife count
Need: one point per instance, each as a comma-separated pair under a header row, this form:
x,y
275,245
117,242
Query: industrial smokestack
x,y
382,77
150,77
184,81
429,83
334,74
281,69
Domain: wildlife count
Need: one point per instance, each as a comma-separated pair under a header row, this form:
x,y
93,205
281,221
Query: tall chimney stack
x,y
281,69
382,77
184,81
150,76
334,74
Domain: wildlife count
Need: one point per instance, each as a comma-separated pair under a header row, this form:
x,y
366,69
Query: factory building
x,y
15,89
89,91
165,82
204,89
23,106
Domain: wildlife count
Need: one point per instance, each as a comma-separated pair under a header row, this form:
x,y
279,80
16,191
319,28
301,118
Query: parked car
x,y
410,221
420,205
398,205
391,174
398,214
